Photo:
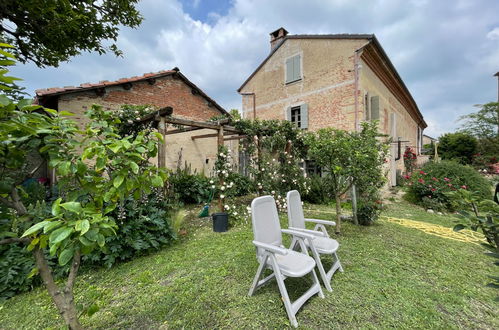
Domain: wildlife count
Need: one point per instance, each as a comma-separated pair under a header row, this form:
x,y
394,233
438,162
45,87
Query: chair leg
x,y
284,293
259,272
340,267
325,278
316,282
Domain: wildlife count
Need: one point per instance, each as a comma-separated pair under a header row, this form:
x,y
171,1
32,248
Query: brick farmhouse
x,y
336,80
165,88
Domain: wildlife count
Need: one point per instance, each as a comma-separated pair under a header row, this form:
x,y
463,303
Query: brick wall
x,y
328,88
167,91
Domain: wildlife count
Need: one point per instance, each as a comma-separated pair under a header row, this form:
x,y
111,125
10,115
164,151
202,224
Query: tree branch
x,y
73,272
7,203
15,240
18,204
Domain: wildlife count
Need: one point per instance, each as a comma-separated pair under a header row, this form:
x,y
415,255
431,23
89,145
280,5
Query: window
x,y
298,115
312,168
293,69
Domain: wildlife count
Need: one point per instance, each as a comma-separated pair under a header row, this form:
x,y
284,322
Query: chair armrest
x,y
271,248
322,222
295,232
309,231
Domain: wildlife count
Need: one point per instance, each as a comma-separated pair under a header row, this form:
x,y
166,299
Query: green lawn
x,y
398,274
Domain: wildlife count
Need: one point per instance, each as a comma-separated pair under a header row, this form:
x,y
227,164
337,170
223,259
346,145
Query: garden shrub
x,y
144,225
190,188
429,186
318,193
368,211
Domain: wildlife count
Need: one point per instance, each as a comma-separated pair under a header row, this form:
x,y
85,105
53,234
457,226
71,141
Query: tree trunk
x,y
338,214
63,299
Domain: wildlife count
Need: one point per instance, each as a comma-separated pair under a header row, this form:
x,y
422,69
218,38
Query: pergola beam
x,y
183,130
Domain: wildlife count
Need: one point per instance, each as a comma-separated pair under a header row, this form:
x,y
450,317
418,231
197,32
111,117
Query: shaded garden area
x,y
395,276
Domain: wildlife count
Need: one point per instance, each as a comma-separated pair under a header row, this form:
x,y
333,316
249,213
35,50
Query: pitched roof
x,y
56,91
305,36
372,40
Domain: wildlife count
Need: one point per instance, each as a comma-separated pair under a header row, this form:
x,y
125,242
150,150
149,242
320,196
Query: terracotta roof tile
x,y
103,83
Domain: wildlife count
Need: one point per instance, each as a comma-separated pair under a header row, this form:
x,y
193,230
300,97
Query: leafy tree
x,y
484,125
50,31
459,146
347,159
96,170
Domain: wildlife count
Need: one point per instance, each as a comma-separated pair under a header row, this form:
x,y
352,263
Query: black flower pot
x,y
220,222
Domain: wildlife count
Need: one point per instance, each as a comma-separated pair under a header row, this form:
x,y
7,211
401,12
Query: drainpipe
x,y
254,102
356,87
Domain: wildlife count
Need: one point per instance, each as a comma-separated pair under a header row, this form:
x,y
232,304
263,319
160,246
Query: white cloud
x,y
494,34
445,51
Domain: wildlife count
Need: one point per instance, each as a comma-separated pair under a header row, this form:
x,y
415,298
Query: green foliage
x,y
458,146
410,160
226,188
368,211
129,116
190,188
484,123
144,225
318,192
80,26
275,149
436,179
349,158
481,214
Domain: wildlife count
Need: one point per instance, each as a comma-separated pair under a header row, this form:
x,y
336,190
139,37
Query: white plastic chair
x,y
321,244
271,254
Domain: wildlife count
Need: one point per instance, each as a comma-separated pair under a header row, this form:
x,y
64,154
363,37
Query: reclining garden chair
x,y
322,243
271,254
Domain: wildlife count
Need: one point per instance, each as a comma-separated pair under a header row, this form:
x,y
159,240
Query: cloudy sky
x,y
445,50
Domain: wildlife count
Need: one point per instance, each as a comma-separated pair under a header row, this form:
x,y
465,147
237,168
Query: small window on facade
x,y
296,116
312,168
293,69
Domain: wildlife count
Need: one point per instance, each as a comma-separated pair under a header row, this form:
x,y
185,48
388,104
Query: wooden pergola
x,y
162,117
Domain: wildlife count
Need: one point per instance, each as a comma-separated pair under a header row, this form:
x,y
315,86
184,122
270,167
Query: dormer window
x,y
293,69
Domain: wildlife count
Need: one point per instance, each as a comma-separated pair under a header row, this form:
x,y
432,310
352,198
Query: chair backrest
x,y
295,210
266,226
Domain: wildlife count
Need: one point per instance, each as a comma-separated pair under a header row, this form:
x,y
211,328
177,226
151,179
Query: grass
x,y
397,275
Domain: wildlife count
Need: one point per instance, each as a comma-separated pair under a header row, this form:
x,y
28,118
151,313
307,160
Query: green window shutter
x,y
375,108
304,115
288,113
296,68
289,70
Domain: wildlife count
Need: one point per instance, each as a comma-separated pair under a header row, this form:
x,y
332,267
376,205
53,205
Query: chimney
x,y
276,37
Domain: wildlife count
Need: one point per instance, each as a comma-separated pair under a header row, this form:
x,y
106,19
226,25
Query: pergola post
x,y
220,142
162,145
